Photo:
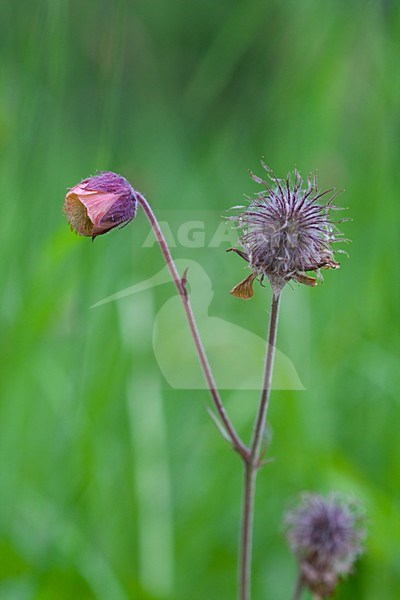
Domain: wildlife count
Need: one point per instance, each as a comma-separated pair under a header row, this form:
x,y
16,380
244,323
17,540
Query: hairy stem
x,y
253,462
237,444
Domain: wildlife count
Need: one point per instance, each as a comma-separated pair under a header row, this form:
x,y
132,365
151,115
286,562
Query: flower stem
x,y
266,389
299,588
246,541
237,444
253,462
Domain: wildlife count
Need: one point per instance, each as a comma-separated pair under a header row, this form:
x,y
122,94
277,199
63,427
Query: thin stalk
x,y
299,588
246,542
266,389
179,281
253,462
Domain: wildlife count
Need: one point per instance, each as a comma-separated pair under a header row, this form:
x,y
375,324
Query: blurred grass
x,y
114,486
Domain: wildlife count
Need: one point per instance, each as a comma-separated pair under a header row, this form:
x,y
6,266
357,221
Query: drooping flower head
x,y
326,535
100,203
285,232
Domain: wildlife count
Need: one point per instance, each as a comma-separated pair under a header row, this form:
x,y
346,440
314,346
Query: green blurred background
x,y
114,485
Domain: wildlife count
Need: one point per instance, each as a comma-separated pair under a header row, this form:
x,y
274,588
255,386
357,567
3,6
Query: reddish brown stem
x,y
253,462
237,444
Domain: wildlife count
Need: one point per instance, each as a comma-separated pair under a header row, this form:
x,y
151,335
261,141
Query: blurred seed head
x,y
286,232
326,535
99,204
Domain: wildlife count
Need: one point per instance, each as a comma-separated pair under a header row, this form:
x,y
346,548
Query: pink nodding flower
x,y
98,204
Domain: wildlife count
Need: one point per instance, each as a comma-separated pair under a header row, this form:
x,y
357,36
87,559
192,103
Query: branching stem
x,y
251,456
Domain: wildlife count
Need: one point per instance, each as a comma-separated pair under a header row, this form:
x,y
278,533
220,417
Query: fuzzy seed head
x,y
285,231
326,535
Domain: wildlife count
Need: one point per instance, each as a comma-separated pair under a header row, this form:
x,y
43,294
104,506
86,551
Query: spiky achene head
x,y
326,535
98,204
285,232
